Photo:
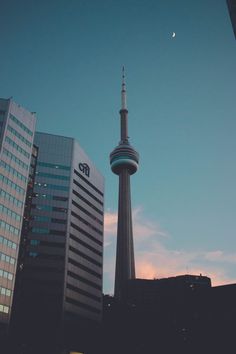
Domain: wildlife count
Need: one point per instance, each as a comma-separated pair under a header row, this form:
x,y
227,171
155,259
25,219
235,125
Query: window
x,y
12,184
7,259
38,230
4,308
60,167
15,159
5,291
10,198
10,213
17,147
21,125
13,171
19,136
6,275
51,186
50,175
34,242
9,228
8,243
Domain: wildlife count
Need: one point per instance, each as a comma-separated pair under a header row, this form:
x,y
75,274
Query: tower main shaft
x,y
124,162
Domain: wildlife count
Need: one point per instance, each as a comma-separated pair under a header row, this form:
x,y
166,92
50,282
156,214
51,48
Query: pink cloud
x,y
110,223
221,256
154,259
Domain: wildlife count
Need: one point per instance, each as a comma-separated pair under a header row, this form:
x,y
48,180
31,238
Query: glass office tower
x,y
60,272
17,127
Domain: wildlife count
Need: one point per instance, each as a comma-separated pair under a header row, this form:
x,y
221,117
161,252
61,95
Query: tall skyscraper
x,y
124,162
17,127
60,271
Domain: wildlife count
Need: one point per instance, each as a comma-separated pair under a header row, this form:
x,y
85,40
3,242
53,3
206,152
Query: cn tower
x,y
124,162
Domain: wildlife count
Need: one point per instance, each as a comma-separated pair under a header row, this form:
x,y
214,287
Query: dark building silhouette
x,y
182,314
124,162
232,13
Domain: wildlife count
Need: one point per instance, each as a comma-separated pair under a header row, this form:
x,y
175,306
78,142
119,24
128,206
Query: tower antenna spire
x,y
123,90
124,160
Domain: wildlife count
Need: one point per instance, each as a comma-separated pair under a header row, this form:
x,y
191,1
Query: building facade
x,y
61,266
17,127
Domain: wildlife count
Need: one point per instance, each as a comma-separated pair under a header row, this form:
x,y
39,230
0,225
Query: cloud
x,y
110,223
144,228
220,256
154,259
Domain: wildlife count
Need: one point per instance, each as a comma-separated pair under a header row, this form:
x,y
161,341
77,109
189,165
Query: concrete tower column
x,y
124,162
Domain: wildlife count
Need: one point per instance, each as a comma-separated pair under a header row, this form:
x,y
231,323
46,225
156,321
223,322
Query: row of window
x,y
83,292
17,147
87,192
19,136
10,198
84,280
5,258
46,164
5,274
81,254
8,243
51,186
4,308
84,244
48,208
55,257
21,125
86,223
13,171
48,219
10,228
83,267
47,243
5,291
12,184
81,304
10,213
50,175
15,159
42,230
87,202
89,183
87,212
83,232
50,197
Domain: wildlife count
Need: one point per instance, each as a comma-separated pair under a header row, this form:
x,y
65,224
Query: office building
x,y
60,269
124,162
17,127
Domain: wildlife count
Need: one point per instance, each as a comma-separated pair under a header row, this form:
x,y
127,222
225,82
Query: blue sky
x,y
63,59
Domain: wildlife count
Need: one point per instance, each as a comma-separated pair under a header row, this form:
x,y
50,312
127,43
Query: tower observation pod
x,y
124,162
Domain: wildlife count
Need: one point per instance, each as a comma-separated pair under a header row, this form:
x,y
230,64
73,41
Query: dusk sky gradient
x,y
63,59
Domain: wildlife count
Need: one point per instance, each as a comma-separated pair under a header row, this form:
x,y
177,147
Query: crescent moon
x,y
173,35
